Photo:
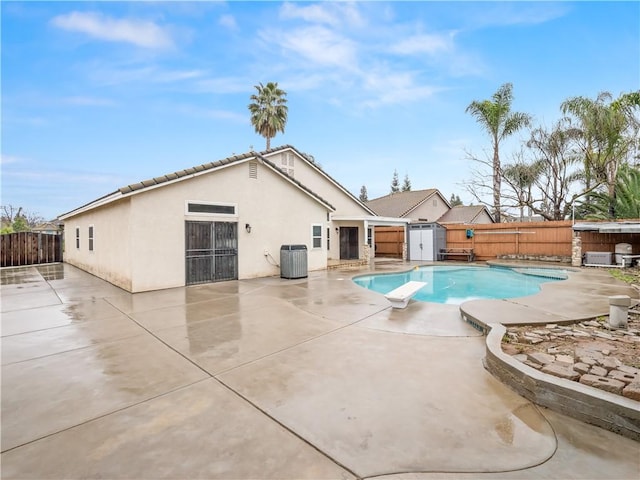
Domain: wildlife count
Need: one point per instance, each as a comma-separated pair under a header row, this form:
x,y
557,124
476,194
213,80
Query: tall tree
x,y
395,183
608,136
520,178
406,184
627,197
363,194
455,201
268,110
496,117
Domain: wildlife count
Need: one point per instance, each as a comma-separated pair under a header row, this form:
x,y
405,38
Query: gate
x,y
211,252
30,248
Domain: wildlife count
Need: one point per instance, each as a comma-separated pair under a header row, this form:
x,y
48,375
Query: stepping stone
x,y
598,371
632,391
610,363
626,378
603,383
561,370
581,368
540,358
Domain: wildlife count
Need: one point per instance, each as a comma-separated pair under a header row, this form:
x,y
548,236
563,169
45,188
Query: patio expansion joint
x,y
104,415
235,392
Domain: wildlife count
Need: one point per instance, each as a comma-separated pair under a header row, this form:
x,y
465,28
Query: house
x,y
417,205
223,220
466,214
50,228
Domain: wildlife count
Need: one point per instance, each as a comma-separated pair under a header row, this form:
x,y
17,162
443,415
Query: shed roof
x,y
608,227
198,170
400,204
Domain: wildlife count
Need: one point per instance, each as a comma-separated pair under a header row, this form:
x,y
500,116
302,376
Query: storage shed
x,y
425,240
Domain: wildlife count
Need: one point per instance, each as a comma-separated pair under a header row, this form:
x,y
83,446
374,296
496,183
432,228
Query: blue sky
x,y
97,95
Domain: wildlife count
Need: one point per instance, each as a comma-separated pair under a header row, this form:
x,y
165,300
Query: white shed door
x,y
421,245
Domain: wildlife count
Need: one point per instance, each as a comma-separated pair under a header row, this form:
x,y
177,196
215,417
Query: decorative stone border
x,y
587,404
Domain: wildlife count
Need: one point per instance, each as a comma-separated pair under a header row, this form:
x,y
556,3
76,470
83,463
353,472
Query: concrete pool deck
x,y
272,378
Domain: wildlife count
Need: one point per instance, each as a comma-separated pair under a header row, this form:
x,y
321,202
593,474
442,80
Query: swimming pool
x,y
455,285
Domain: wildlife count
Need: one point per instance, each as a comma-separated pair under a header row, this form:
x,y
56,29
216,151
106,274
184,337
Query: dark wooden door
x,y
211,252
349,246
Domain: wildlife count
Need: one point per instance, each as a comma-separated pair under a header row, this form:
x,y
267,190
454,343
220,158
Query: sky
x,y
99,95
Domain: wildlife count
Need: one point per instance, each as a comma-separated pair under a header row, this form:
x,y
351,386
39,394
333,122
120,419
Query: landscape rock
x,y
598,371
610,363
581,368
561,370
603,383
632,391
625,378
568,359
540,358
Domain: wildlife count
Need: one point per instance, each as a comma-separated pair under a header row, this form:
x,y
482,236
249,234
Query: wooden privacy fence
x,y
522,240
549,241
29,248
389,241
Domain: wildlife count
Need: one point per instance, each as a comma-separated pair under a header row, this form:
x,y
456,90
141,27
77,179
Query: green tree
x,y
269,110
395,183
496,117
363,194
608,136
627,198
406,184
455,201
521,177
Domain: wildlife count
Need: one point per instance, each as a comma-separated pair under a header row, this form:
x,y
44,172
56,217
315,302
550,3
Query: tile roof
x,y
135,187
462,214
401,203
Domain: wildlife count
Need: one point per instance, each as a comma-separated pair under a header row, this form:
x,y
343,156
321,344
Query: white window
x,y
78,238
316,236
211,209
91,238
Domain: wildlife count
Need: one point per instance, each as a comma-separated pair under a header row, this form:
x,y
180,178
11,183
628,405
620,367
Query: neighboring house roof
x,y
47,226
400,204
181,175
464,214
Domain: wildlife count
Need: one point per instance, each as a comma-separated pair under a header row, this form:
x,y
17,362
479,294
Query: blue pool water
x,y
454,285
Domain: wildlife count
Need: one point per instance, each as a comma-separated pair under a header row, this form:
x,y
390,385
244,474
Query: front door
x,y
211,252
349,245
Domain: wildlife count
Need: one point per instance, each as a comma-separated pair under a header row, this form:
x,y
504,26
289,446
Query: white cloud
x,y
137,32
430,44
83,101
328,13
228,21
317,44
7,159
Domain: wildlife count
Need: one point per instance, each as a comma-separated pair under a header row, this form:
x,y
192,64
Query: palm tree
x,y
627,201
496,117
269,110
608,131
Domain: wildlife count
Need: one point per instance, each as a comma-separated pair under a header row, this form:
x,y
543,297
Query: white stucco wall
x,y
110,258
343,203
318,183
278,213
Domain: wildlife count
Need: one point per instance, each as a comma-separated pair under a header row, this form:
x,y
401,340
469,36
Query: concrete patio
x,y
268,378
